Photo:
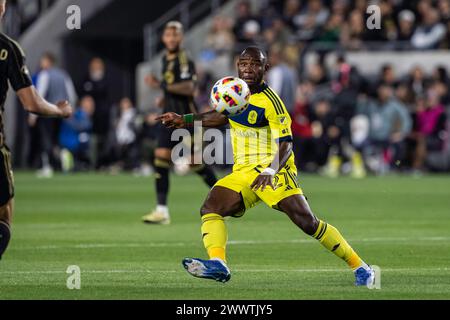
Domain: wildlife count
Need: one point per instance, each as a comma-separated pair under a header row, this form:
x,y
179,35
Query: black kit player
x,y
14,71
178,85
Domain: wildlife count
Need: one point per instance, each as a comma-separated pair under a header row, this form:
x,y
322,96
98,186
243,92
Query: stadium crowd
x,y
343,120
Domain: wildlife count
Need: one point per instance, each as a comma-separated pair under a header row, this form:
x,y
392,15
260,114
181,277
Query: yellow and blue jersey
x,y
256,132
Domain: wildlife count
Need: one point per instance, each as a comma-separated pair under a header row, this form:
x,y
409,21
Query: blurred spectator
x,y
429,134
430,32
147,140
277,33
126,151
220,38
246,24
282,77
97,86
444,10
219,46
290,11
390,123
302,133
332,29
74,137
404,94
54,84
387,77
354,32
310,20
406,20
417,81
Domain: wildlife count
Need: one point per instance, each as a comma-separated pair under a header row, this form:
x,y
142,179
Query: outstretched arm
x,y
278,162
184,88
211,119
34,103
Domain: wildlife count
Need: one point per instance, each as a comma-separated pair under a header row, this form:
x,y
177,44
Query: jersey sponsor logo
x,y
169,77
252,117
282,120
3,55
185,74
245,133
25,70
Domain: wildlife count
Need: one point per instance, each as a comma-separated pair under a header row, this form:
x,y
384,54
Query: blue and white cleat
x,y
364,276
214,269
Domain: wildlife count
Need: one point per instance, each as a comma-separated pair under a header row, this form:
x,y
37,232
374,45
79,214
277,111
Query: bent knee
x,y
163,154
310,226
306,221
6,213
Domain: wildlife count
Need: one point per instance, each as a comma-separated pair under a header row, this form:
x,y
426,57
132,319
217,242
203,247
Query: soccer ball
x,y
230,96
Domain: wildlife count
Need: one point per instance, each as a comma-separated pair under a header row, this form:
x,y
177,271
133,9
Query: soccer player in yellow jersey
x,y
260,173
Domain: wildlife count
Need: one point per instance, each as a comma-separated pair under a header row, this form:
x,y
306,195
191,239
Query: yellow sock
x,y
331,239
357,159
214,232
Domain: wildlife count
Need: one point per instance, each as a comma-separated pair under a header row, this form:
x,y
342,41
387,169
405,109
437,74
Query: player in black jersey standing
x,y
14,71
178,85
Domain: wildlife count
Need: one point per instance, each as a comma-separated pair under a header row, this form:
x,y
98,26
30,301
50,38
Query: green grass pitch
x,y
400,224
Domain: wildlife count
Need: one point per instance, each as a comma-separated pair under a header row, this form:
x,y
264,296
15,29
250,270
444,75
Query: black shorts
x,y
165,137
6,177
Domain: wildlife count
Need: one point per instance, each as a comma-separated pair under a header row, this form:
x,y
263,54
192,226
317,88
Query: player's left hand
x,y
152,81
262,181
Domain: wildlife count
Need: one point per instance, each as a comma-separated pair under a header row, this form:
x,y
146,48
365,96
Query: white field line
x,y
132,271
231,242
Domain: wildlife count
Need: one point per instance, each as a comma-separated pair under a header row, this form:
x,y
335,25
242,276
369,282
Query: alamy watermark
x,y
374,20
73,282
377,283
73,21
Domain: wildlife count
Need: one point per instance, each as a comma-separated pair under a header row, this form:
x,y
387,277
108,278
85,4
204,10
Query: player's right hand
x,y
65,108
171,120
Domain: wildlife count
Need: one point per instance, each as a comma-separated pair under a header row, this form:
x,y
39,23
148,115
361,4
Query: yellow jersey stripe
x,y
274,102
274,95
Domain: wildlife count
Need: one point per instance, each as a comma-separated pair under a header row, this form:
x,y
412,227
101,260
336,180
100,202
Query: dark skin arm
x,y
211,119
279,161
35,104
184,88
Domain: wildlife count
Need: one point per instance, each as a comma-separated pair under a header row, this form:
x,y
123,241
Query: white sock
x,y
163,209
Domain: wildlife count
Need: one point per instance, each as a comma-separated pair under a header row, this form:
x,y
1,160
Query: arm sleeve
x,y
278,118
18,73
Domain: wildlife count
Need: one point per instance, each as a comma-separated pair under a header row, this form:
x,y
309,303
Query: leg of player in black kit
x,y
5,235
162,169
207,174
162,180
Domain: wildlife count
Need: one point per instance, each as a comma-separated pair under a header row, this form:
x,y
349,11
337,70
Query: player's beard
x,y
175,50
255,85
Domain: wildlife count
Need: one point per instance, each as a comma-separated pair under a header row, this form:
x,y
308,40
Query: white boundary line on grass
x,y
238,270
231,242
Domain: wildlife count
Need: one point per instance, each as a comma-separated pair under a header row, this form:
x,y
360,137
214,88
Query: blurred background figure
x,y
97,86
282,77
75,137
54,84
429,134
126,151
390,124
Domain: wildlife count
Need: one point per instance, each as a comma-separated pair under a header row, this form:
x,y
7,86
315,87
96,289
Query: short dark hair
x,y
49,56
